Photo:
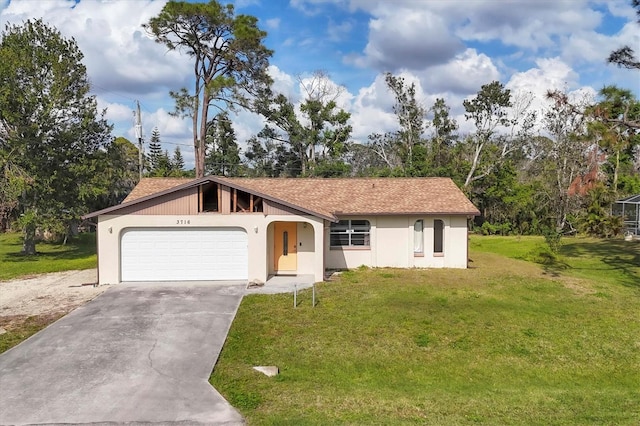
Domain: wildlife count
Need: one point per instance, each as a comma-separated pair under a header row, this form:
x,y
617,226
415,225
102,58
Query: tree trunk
x,y
206,98
196,141
474,164
29,239
615,173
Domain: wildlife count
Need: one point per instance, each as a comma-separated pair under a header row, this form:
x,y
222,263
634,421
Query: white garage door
x,y
194,254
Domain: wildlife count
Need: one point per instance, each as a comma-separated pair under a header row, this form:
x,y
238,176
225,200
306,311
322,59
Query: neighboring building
x,y
629,209
216,228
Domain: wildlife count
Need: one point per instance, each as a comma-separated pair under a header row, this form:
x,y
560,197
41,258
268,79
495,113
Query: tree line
x,y
550,171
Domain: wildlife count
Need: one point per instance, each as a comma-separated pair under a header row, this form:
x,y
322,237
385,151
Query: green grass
x,y
504,342
612,261
78,253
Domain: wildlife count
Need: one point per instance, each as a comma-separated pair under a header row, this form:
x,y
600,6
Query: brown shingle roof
x,y
338,197
148,186
352,196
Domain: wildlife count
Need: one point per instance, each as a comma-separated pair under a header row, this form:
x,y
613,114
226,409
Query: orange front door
x,y
285,254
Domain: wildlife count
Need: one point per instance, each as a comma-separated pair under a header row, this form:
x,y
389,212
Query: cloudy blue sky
x,y
449,48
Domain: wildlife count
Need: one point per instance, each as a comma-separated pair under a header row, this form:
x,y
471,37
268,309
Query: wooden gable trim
x,y
199,182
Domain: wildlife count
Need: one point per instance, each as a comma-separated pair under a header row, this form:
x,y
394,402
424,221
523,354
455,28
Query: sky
x,y
448,48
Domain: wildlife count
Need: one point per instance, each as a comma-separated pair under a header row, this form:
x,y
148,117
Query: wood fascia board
x,y
443,213
177,188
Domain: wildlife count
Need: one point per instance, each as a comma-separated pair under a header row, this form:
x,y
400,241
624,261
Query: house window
x,y
244,202
418,237
438,236
209,198
285,243
350,233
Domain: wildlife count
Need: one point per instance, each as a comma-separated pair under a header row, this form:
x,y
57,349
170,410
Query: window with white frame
x,y
350,233
438,236
418,237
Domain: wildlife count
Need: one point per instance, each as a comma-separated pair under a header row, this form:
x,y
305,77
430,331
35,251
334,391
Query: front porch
x,y
294,253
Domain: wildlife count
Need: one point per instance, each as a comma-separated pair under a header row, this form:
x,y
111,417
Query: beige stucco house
x,y
217,228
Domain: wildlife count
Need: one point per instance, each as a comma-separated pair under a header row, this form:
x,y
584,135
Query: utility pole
x,y
138,130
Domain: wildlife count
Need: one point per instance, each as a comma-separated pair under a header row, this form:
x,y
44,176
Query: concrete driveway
x,y
138,353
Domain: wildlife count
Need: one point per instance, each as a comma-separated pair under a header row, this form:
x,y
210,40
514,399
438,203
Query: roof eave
x,y
171,190
413,213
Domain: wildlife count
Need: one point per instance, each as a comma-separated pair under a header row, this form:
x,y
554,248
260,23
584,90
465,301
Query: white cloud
x,y
408,38
550,74
463,74
526,24
116,112
372,110
312,7
246,125
168,125
283,83
622,9
338,31
239,4
118,54
273,24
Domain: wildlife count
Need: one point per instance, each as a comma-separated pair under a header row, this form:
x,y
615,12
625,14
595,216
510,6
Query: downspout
x,y
469,218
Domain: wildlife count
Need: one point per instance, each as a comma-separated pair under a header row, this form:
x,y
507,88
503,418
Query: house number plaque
x,y
183,222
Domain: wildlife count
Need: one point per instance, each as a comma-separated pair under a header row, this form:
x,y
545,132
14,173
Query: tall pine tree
x,y
223,152
155,151
177,162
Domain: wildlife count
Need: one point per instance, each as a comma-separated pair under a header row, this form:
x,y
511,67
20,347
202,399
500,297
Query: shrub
x,y
553,240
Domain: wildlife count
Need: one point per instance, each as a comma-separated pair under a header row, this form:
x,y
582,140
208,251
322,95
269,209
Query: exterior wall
x,y
393,242
455,244
225,200
274,208
306,247
346,258
392,239
110,228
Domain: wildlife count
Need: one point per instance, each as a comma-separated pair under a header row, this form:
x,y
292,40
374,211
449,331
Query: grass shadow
x,y
555,268
78,253
70,253
623,256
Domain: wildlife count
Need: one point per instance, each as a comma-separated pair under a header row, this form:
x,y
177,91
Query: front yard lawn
x,y
78,253
504,342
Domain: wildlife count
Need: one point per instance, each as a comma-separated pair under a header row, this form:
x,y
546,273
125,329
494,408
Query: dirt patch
x,y
578,285
47,295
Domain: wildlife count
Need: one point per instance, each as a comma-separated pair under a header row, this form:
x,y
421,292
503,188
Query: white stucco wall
x,y
110,228
306,247
455,247
392,239
348,257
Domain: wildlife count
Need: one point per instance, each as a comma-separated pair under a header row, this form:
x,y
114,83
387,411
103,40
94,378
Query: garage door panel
x,y
184,254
